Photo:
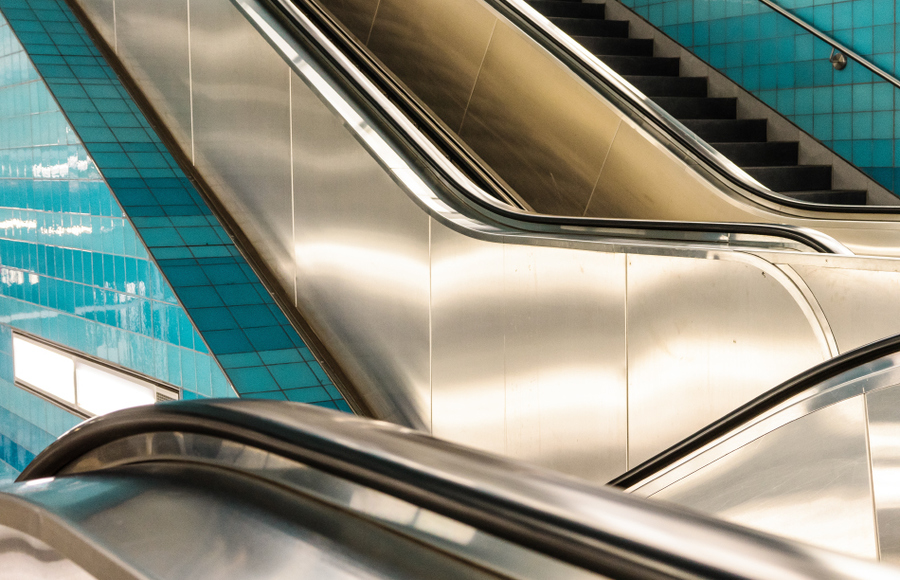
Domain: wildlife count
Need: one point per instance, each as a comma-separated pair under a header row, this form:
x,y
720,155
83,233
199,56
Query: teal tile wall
x,y
238,319
853,111
72,268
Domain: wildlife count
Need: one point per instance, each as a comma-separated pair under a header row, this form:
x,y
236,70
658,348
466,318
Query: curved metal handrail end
x,y
595,528
758,406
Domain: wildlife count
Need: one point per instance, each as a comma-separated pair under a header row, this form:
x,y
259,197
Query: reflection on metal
x,y
24,556
820,467
448,320
360,491
837,59
569,146
807,480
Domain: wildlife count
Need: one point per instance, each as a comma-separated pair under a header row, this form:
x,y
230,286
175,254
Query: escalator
x,y
814,459
574,133
439,302
240,489
745,141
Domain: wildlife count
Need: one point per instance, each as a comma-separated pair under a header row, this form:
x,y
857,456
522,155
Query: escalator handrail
x,y
598,529
594,71
390,101
756,408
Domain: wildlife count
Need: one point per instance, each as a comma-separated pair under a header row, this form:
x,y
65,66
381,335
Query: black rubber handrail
x,y
674,129
350,48
757,407
599,529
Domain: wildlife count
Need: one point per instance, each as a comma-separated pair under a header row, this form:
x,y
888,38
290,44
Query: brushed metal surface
x,y
861,304
808,481
422,305
23,556
695,329
152,37
356,15
442,71
242,130
564,341
103,16
362,261
467,329
883,408
543,132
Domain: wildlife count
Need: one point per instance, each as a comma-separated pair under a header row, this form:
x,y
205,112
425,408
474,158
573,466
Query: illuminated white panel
x,y
101,392
44,369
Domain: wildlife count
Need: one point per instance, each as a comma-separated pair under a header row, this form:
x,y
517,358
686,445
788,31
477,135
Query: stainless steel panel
x,y
23,556
541,130
242,130
808,481
565,359
627,188
705,336
153,41
883,408
442,71
103,16
468,383
861,305
362,259
356,15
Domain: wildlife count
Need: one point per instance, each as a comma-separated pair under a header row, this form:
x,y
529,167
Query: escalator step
x,y
643,65
588,27
793,178
760,154
669,86
568,9
831,196
616,46
711,130
699,107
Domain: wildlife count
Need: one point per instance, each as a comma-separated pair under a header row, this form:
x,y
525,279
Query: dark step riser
x,y
587,27
570,9
616,46
669,86
750,130
698,108
759,154
792,178
631,65
831,197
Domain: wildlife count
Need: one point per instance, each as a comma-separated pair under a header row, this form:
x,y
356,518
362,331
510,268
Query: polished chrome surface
x,y
819,466
694,333
450,535
361,262
427,301
627,537
183,521
25,557
883,408
807,480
